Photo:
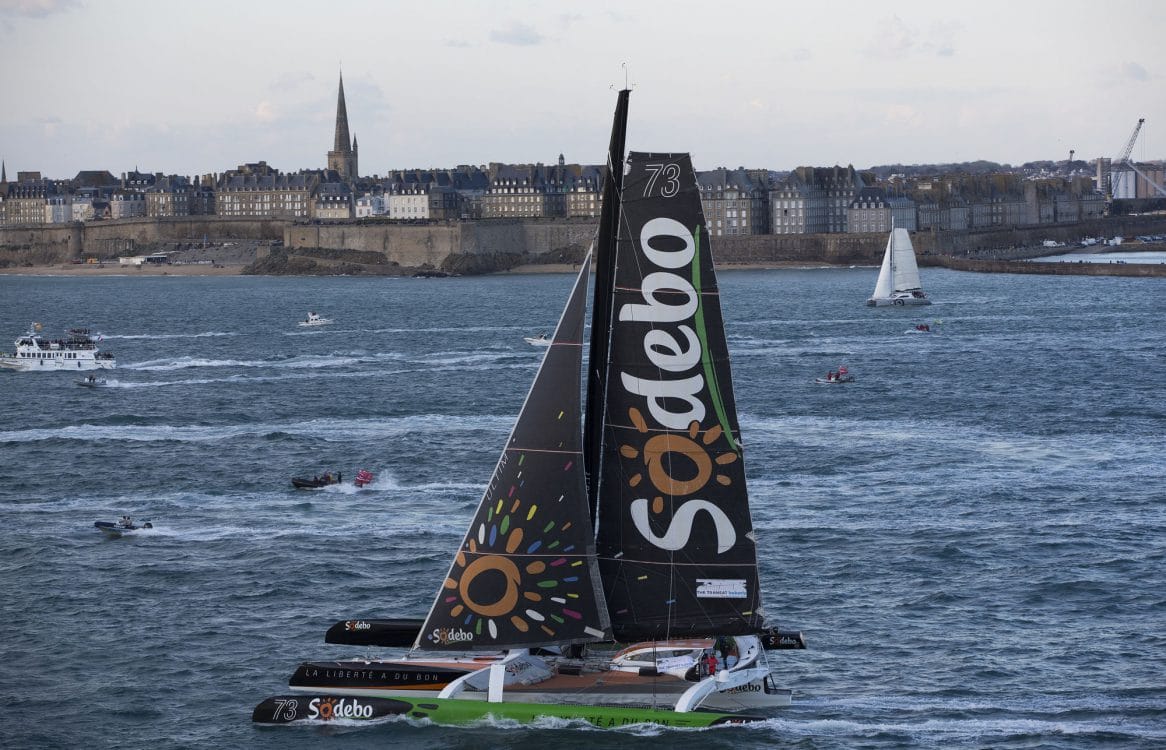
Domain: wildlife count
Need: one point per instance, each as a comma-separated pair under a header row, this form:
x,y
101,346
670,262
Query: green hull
x,y
322,708
455,711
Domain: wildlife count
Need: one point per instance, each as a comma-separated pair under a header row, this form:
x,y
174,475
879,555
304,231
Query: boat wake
x,y
160,336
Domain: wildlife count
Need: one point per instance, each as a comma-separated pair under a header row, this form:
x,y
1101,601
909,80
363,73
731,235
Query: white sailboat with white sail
x,y
898,283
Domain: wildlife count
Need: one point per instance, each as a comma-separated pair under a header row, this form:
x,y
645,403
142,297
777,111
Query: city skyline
x,y
195,89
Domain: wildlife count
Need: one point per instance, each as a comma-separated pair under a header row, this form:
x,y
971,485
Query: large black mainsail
x,y
675,538
526,572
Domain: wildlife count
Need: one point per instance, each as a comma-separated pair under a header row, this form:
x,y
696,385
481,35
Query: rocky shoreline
x,y
271,258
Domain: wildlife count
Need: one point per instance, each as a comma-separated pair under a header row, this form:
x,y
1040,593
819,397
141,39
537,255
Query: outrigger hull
x,y
316,709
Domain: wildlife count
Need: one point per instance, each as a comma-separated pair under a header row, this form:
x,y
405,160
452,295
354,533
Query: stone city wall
x,y
420,244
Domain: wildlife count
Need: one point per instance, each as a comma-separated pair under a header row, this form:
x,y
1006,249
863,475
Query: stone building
x,y
286,196
869,212
126,204
332,200
26,201
903,213
814,200
584,192
408,201
370,204
516,191
735,201
169,196
59,208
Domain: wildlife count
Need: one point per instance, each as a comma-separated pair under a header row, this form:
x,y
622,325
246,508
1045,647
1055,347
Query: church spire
x,y
342,141
342,157
3,172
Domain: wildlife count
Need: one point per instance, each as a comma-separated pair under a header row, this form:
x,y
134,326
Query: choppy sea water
x,y
971,535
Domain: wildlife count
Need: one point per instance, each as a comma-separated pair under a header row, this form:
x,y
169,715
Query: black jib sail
x,y
525,574
675,539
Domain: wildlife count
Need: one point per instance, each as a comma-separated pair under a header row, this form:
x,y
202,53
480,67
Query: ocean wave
x,y
360,430
162,336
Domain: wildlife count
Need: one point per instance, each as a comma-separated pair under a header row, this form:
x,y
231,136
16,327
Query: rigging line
x,y
675,564
612,253
544,450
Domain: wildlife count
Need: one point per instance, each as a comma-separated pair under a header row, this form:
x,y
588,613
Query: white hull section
x,y
55,361
522,678
751,696
906,300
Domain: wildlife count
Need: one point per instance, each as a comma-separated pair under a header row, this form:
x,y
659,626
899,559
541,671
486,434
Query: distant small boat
x,y
314,319
315,482
121,527
898,283
842,375
92,382
923,328
539,340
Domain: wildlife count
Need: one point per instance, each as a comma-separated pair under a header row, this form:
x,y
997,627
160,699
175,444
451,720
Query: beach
x,y
116,269
235,269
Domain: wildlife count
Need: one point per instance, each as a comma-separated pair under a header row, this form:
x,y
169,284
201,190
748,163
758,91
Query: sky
x,y
199,87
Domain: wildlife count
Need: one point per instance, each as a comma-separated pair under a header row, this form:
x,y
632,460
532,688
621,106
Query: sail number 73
x,y
668,177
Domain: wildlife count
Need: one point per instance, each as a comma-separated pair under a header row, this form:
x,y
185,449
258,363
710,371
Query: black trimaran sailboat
x,y
633,526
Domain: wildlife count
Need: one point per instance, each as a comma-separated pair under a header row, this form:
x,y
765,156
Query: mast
x,y
599,356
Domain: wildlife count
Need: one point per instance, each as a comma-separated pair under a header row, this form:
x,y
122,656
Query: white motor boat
x,y
314,319
76,351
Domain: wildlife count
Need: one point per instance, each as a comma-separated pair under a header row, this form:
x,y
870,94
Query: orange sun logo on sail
x,y
490,585
659,453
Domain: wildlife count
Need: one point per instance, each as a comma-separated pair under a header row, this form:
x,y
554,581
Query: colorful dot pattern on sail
x,y
525,573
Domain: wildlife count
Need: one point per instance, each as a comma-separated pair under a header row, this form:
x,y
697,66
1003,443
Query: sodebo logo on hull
x,y
446,636
327,709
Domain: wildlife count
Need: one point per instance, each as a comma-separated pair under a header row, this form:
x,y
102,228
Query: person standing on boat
x,y
710,661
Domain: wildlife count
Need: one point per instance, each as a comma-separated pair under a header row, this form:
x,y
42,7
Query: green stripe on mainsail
x,y
710,372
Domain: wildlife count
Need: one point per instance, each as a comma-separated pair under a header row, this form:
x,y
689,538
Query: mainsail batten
x,y
674,538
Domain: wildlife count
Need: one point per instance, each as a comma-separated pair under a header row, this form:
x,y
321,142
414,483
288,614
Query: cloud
x,y
49,126
1134,72
902,116
457,43
895,39
799,54
519,34
291,80
36,8
265,111
940,39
